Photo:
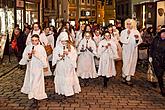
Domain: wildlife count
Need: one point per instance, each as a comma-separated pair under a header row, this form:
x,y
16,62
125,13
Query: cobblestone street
x,y
142,96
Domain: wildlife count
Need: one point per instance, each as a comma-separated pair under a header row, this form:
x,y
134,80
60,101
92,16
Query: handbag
x,y
48,50
150,74
14,45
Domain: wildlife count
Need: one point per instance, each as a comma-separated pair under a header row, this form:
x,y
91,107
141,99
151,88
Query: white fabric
x,y
66,80
78,38
130,51
97,39
107,56
43,39
61,37
86,65
34,84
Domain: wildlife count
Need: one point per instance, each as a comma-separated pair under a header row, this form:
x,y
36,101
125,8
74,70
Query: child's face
x,y
36,27
107,36
35,41
87,36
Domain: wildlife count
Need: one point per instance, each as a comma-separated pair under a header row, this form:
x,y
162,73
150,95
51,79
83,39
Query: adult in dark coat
x,y
157,58
18,50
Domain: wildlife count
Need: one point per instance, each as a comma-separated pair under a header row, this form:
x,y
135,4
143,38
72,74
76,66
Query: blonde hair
x,y
133,23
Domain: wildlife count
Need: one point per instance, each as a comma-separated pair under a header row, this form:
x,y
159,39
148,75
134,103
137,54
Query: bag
x,y
151,77
48,49
14,45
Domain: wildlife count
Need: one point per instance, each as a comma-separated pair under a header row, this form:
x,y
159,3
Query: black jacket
x,y
157,51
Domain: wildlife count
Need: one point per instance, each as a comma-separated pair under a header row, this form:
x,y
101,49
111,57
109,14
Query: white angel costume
x,y
129,52
66,80
34,84
107,56
86,65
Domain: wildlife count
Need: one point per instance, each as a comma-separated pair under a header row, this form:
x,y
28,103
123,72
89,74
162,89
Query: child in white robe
x,y
107,51
35,58
86,65
64,57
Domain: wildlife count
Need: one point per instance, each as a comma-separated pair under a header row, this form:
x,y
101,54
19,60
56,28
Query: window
x,y
83,1
88,1
122,11
118,9
109,2
93,13
83,13
53,4
93,2
72,1
46,3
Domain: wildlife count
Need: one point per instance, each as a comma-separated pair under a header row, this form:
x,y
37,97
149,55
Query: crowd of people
x,y
81,55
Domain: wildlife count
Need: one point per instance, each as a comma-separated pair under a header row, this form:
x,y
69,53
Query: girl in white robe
x,y
130,38
107,51
86,51
36,30
35,58
64,57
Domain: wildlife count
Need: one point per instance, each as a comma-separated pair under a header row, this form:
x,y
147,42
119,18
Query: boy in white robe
x,y
86,65
64,57
35,58
107,51
130,38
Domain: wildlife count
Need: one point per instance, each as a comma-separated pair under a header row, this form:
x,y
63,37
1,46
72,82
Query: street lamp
x,y
87,14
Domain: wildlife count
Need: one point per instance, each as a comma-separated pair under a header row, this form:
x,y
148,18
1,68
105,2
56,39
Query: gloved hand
x,y
90,49
150,59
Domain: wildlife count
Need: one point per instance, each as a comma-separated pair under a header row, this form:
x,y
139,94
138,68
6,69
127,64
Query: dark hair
x,y
36,36
163,26
106,32
37,24
149,30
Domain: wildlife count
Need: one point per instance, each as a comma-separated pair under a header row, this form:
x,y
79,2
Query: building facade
x,y
109,11
123,10
149,12
100,13
49,12
82,10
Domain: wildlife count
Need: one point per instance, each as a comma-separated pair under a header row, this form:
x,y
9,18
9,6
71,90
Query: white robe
x,y
107,56
130,51
34,84
97,39
66,80
78,37
42,37
86,65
